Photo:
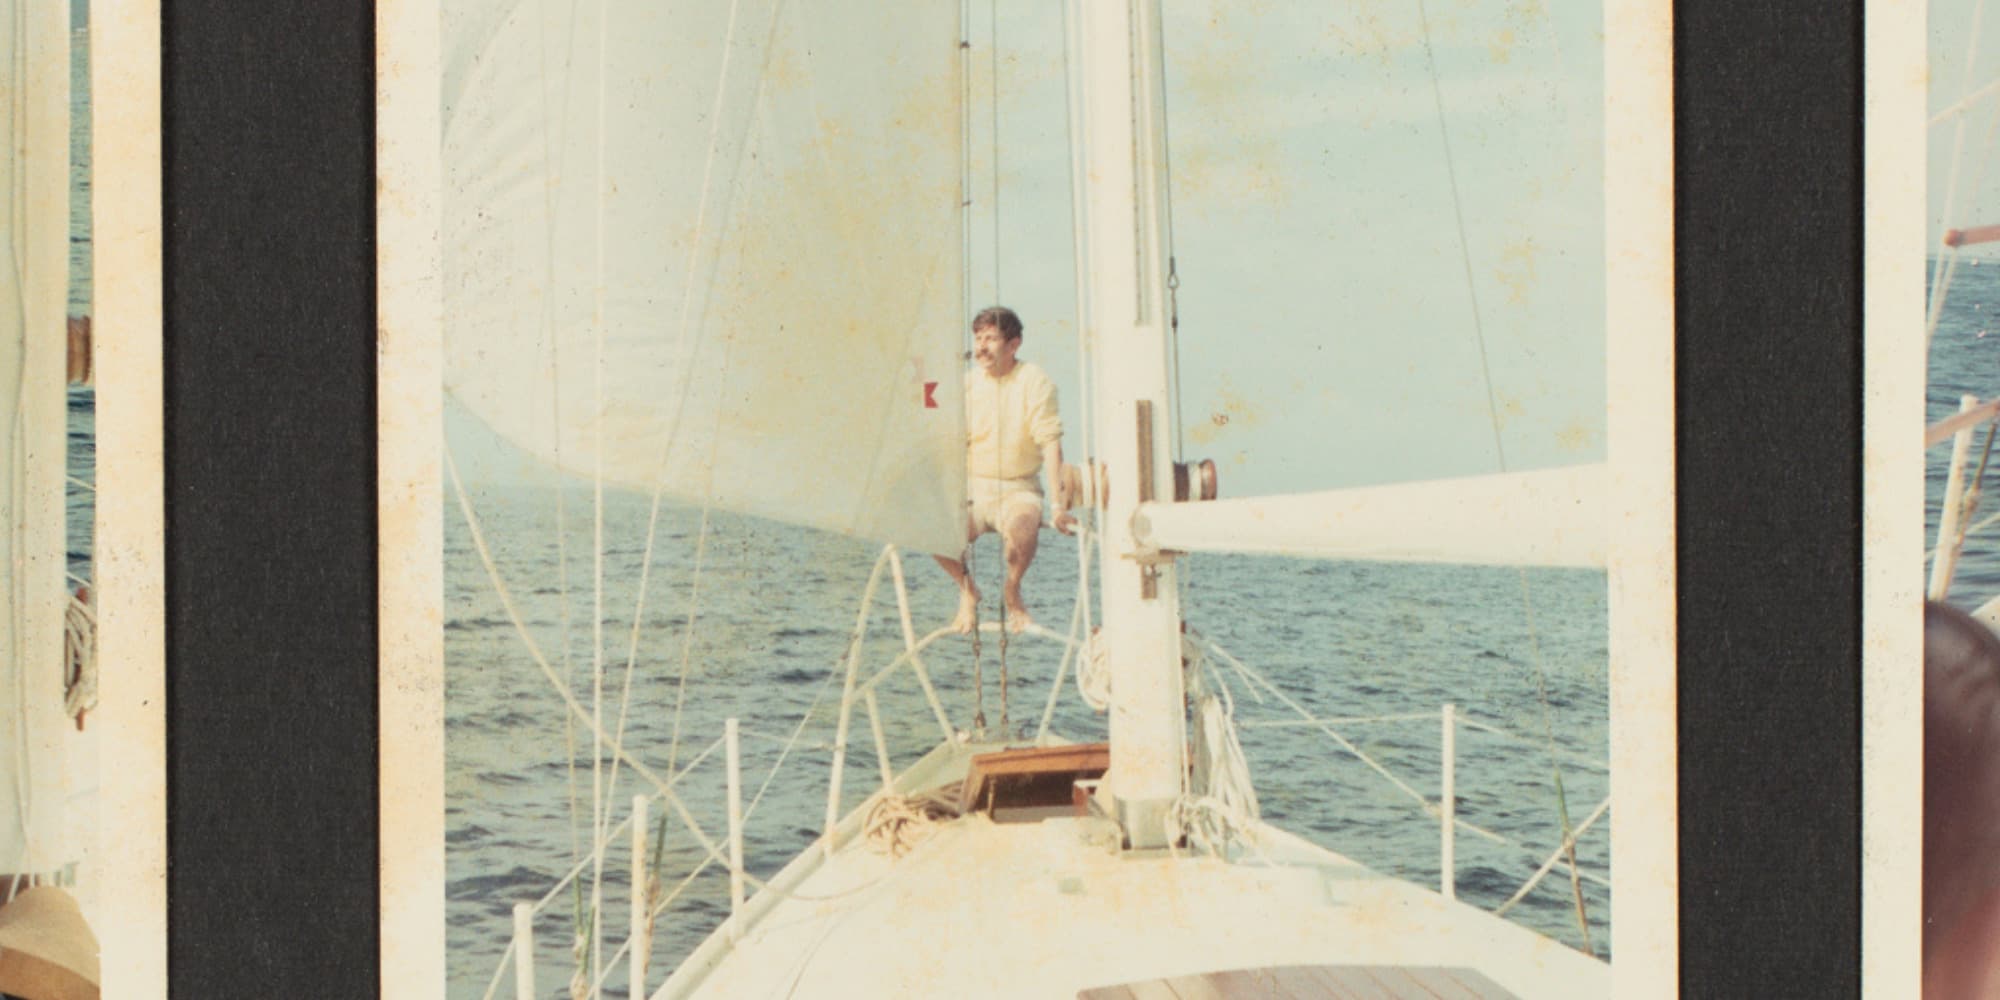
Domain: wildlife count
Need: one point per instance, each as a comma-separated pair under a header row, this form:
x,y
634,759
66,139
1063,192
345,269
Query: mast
x,y
1123,214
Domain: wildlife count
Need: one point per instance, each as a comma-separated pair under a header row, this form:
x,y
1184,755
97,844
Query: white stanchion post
x,y
524,951
734,753
1946,561
1448,806
910,643
847,699
881,741
638,949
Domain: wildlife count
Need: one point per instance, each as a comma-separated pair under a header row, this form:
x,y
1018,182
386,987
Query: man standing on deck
x,y
1013,431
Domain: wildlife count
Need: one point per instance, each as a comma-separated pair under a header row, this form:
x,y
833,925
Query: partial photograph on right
x,y
1961,391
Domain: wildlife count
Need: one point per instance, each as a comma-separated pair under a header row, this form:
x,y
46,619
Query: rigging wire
x,y
550,153
1183,575
965,561
1173,270
999,424
1500,451
652,522
707,502
520,625
23,752
1941,271
600,808
1090,482
1947,264
993,118
965,165
1964,104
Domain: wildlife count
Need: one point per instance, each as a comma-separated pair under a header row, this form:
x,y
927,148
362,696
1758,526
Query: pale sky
x,y
1958,29
1327,327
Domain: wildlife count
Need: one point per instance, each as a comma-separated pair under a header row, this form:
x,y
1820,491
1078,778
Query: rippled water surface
x,y
80,501
1965,360
775,605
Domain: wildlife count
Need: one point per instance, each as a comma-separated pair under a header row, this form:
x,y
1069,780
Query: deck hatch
x,y
1031,783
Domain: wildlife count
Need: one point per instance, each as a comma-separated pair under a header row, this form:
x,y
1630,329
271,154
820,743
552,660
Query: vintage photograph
x,y
1961,582
82,822
53,894
987,499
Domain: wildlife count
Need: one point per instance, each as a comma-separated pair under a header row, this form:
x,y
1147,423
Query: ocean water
x,y
79,173
774,606
1964,360
80,500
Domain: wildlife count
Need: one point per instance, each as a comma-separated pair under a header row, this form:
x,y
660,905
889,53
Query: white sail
x,y
34,274
1548,517
716,250
675,270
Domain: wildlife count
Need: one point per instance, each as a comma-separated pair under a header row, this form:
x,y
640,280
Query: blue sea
x,y
774,606
80,500
1965,360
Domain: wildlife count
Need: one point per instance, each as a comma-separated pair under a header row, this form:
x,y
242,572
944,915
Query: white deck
x,y
82,820
1048,909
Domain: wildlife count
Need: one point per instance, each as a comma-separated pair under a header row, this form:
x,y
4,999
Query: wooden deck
x,y
1339,982
1030,782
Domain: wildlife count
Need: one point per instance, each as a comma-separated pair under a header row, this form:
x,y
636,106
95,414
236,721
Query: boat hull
x,y
1054,908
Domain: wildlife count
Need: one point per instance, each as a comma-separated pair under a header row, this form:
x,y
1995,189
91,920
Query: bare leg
x,y
1021,535
968,595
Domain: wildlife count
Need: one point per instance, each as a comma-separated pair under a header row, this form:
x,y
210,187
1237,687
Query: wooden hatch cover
x,y
1297,982
1031,782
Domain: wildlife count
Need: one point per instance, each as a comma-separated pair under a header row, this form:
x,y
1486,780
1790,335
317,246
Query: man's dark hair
x,y
999,318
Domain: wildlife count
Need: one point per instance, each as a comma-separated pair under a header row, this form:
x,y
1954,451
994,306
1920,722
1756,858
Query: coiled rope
x,y
1093,673
79,656
1223,803
897,823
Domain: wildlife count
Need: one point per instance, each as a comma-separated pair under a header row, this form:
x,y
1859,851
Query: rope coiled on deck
x,y
897,823
79,656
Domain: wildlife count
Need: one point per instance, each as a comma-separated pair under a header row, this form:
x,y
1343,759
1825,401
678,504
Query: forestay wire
x,y
604,793
965,311
999,424
1500,450
541,660
601,807
551,150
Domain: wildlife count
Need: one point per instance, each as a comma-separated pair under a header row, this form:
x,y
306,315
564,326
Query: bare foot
x,y
1018,619
968,611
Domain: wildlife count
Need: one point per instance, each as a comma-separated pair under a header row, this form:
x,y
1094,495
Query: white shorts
x,y
993,499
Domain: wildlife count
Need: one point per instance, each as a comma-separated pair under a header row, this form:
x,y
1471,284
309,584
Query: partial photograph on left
x,y
49,809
